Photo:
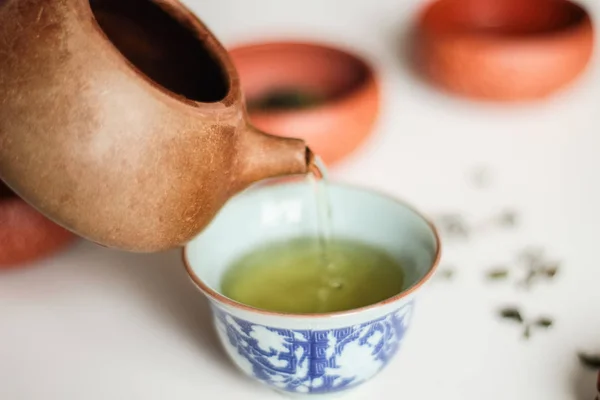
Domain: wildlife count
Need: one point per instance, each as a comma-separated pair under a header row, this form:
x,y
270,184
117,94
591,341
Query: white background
x,y
98,324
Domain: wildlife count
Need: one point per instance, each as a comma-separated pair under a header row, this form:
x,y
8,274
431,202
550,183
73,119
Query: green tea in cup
x,y
314,274
313,306
294,276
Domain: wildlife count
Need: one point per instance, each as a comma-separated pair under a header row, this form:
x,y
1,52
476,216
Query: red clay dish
x,y
25,234
507,50
328,97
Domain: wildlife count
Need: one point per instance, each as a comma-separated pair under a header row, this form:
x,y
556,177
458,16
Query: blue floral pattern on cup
x,y
313,361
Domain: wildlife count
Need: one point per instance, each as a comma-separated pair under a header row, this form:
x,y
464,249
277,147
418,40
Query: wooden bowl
x,y
25,234
503,50
324,95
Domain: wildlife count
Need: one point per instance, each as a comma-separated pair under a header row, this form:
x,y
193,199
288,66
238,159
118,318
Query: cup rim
x,y
220,298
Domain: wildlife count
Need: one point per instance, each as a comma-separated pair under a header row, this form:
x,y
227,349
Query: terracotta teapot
x,y
123,121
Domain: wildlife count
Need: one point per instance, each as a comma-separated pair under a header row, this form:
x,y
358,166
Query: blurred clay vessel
x,y
504,50
323,94
25,234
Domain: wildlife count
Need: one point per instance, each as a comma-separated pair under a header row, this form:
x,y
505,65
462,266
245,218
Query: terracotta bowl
x,y
332,96
25,234
505,50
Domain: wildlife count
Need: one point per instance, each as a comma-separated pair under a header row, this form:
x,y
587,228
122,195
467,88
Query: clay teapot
x,y
123,121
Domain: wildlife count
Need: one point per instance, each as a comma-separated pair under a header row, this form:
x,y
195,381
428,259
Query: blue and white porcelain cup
x,y
312,355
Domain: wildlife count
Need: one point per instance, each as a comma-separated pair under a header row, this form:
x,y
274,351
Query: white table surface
x,y
96,324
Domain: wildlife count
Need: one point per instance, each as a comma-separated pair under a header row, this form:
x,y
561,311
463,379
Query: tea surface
x,y
290,276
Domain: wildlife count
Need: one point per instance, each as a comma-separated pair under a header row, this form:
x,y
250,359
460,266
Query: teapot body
x,y
121,121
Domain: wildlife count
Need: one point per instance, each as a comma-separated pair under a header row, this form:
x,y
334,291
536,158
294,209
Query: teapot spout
x,y
265,156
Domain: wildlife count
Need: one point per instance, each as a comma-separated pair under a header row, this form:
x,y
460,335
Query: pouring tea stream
x,y
124,122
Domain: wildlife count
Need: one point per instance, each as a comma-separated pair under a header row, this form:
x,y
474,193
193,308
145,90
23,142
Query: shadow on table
x,y
163,287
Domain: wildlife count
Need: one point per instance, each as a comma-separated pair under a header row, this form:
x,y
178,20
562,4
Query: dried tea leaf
x,y
498,274
529,278
481,177
531,256
538,268
590,361
544,322
445,274
527,332
551,271
508,218
511,314
453,225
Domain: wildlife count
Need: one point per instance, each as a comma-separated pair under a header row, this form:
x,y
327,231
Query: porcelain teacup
x,y
312,354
